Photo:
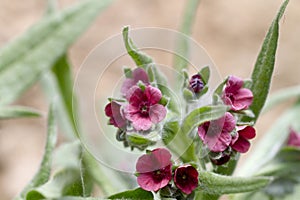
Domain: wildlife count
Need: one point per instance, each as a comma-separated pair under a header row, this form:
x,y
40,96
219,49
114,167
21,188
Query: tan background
x,y
230,30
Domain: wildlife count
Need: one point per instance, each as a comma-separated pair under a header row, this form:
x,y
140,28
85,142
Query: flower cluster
x,y
225,135
141,107
154,171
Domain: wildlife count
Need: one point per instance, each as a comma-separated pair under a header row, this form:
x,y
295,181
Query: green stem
x,y
182,46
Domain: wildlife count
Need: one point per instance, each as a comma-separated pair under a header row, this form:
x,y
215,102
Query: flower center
x,y
144,108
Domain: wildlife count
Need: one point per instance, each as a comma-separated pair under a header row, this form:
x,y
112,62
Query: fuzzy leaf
x,y
201,115
205,74
140,58
58,86
212,183
133,194
9,112
43,173
264,66
23,60
71,177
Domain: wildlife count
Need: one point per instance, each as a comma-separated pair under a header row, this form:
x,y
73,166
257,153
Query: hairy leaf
x,y
133,194
23,60
43,173
219,184
264,66
9,112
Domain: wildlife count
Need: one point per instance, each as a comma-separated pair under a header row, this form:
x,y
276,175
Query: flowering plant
x,y
188,139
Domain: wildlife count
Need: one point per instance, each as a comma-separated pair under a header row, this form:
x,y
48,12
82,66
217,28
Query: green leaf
x,y
271,143
136,141
282,96
201,115
43,173
264,66
140,58
178,142
205,74
133,194
212,183
9,112
71,177
64,183
27,57
58,84
229,168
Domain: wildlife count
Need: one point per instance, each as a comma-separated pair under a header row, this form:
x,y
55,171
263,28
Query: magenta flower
x,y
240,142
294,138
196,83
216,134
144,108
235,96
114,112
186,178
137,75
154,170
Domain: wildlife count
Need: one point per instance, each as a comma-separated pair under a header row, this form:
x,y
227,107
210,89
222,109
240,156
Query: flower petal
x,y
294,138
141,123
153,94
157,113
241,145
219,143
233,84
140,75
229,123
248,132
131,112
135,96
163,156
127,84
242,99
147,182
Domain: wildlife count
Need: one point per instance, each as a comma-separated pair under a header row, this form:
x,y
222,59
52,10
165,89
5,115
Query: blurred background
x,y
230,30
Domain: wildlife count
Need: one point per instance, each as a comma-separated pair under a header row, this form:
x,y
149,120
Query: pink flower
x,y
240,142
154,170
143,109
113,110
294,138
137,75
186,178
216,134
196,83
235,96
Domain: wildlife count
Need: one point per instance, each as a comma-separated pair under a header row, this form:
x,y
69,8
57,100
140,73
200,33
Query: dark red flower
x,y
294,138
235,96
216,134
241,142
144,108
137,75
114,112
186,178
196,83
221,160
154,169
